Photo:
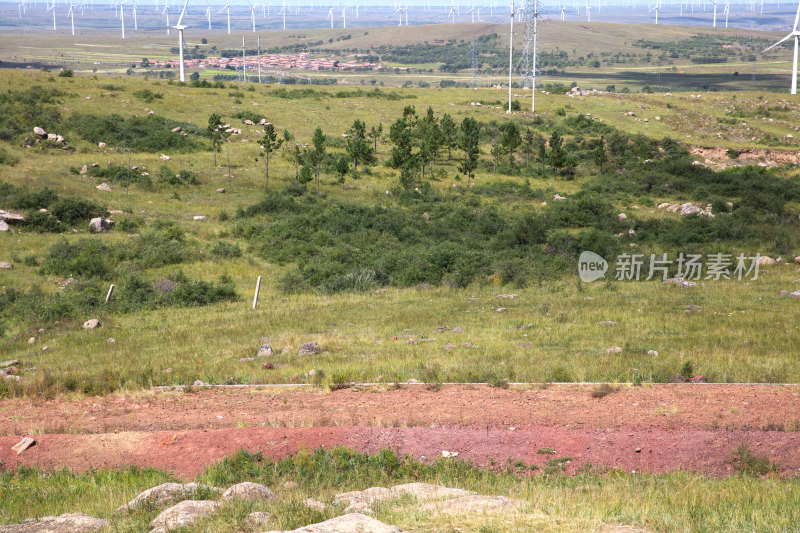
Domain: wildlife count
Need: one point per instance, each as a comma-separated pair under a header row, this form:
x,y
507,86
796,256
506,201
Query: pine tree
x,y
269,143
470,140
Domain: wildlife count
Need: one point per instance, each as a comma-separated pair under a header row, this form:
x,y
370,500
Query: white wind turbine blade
x,y
778,43
183,12
796,18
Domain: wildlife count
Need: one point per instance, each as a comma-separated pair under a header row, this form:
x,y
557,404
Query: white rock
x,y
199,217
349,523
182,514
766,261
5,265
66,523
652,352
92,323
104,187
427,491
165,493
257,520
248,491
614,349
101,145
164,157
40,132
622,216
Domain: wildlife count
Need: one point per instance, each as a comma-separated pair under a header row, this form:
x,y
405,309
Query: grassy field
x,y
584,502
730,338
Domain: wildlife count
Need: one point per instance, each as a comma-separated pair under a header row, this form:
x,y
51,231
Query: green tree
x,y
342,168
600,155
430,138
449,130
470,140
317,154
375,134
194,76
496,151
358,147
510,140
216,133
403,157
269,143
556,157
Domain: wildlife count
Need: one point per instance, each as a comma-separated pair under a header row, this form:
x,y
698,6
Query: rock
x,y
164,494
349,523
176,129
507,296
221,190
663,205
317,505
501,310
265,351
84,169
680,281
182,514
457,329
199,218
797,259
66,523
309,348
614,349
248,491
622,216
611,528
52,137
92,323
607,323
257,520
40,132
249,122
290,485
6,364
117,212
652,352
164,157
795,294
698,379
428,491
105,187
24,444
448,346
31,340
448,454
198,383
426,216
59,139
558,197
525,344
99,225
766,261
476,503
4,225
5,265
363,498
101,145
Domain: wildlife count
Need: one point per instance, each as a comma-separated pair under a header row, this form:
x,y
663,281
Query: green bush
x,y
74,209
151,133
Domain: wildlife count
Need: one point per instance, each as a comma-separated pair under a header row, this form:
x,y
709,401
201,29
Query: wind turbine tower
x,y
795,35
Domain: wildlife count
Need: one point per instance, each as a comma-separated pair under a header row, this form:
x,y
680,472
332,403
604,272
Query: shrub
x,y
66,73
226,249
749,464
152,133
74,209
7,158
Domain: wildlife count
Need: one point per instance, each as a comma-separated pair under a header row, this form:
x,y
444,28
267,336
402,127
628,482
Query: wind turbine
x,y
399,13
166,11
330,16
135,24
180,27
714,3
726,12
283,12
405,9
796,36
71,15
472,12
253,15
452,13
208,14
563,14
344,17
656,7
588,11
227,7
53,9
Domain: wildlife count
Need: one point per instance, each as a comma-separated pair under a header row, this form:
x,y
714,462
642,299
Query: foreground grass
x,y
672,502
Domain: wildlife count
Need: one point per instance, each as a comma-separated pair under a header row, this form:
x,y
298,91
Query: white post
x,y
110,291
255,296
510,55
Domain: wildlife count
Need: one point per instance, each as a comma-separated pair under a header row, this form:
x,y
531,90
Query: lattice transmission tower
x,y
527,65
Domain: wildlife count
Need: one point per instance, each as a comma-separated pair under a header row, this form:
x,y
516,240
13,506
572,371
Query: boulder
x,y
84,169
101,145
257,520
199,218
5,265
99,225
164,494
317,505
797,259
40,132
349,523
622,216
265,351
558,197
182,514
221,190
614,349
766,261
105,187
248,491
680,282
474,504
428,491
52,137
363,499
4,225
66,523
92,323
309,348
176,129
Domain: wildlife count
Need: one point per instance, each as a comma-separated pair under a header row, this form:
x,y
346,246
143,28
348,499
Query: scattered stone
x,y
426,216
428,491
507,296
457,329
99,225
40,132
441,328
766,261
248,491
221,190
66,523
176,129
24,444
101,145
622,216
525,344
164,157
257,520
198,217
474,504
4,225
317,505
265,351
92,323
558,197
5,265
448,346
31,340
182,514
612,528
105,187
795,294
309,348
164,494
446,453
614,349
681,282
349,523
6,364
652,352
607,323
698,379
501,310
369,496
111,339
198,383
117,212
411,342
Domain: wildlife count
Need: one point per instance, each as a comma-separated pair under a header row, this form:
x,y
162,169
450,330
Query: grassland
x,y
584,502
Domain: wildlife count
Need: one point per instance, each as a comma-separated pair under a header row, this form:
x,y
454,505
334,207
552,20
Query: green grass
x,y
583,502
